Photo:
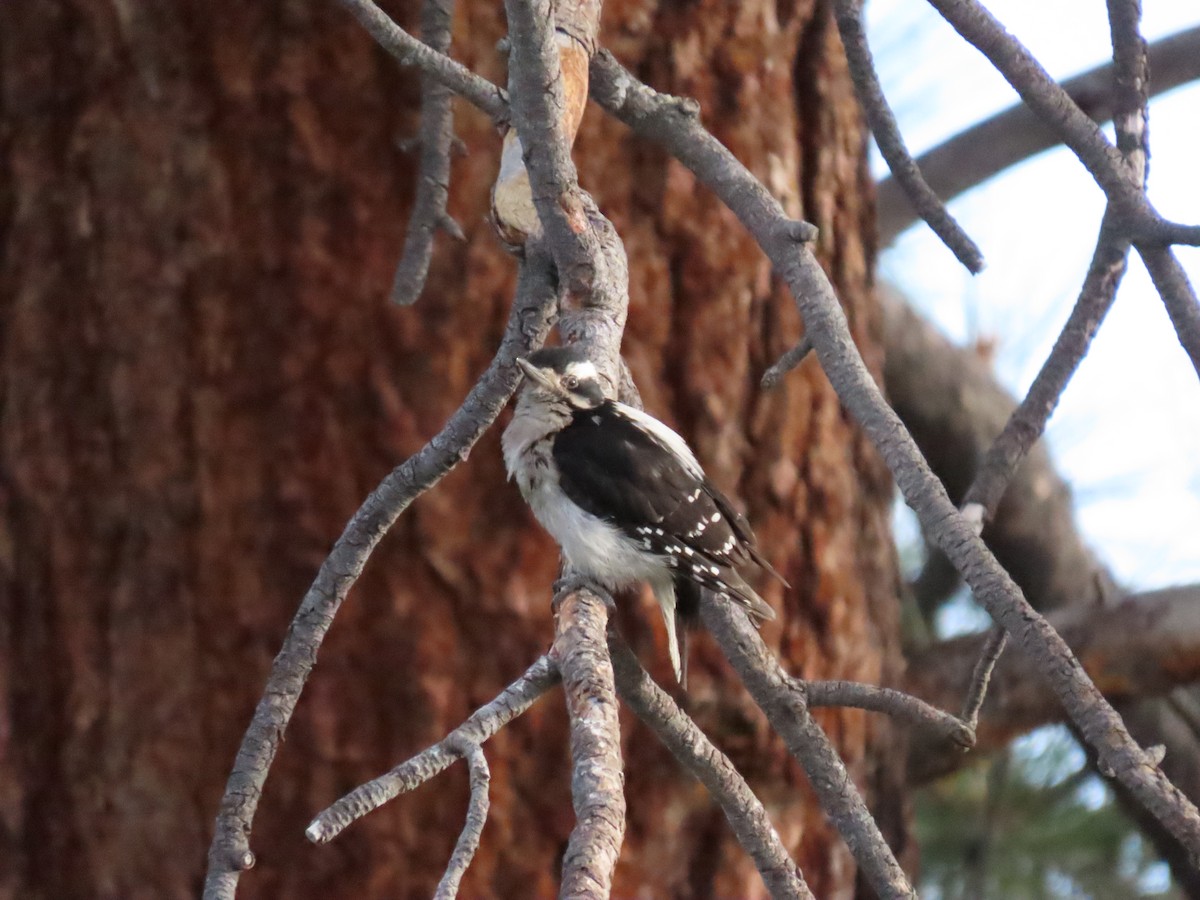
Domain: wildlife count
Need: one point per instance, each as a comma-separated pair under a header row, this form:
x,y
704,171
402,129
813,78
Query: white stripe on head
x,y
664,436
584,371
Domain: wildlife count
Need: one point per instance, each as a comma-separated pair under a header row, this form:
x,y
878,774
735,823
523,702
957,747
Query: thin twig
x,y
1028,421
712,768
998,143
786,363
229,853
433,172
891,144
512,702
896,704
409,51
782,699
477,810
597,779
1106,164
655,118
1044,96
1178,296
981,676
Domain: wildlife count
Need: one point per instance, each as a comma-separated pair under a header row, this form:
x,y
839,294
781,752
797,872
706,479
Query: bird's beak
x,y
534,374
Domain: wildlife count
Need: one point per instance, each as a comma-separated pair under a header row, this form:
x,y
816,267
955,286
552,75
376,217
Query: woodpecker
x,y
624,497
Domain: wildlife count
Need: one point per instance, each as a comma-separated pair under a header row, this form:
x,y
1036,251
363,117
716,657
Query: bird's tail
x,y
736,588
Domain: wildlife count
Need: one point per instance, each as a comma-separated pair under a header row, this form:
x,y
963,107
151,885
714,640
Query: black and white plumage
x,y
624,496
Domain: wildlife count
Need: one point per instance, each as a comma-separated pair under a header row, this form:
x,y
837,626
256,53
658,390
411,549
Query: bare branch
x,y
786,363
409,51
711,767
597,781
1142,647
1178,296
646,112
891,142
897,704
985,150
981,675
782,699
433,174
1028,421
477,810
229,853
483,723
1044,96
1131,86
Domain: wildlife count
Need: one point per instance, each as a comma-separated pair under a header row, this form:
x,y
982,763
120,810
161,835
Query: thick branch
x,y
433,174
891,142
985,150
483,723
711,767
597,780
409,51
825,323
1142,647
528,324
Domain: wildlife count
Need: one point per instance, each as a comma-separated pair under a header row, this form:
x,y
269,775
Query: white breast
x,y
591,546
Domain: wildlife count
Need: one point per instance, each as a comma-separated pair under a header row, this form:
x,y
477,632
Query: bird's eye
x,y
570,382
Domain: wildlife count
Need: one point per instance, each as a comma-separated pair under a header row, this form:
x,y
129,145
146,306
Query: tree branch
x,y
985,150
229,854
433,175
825,323
783,701
1028,421
477,810
597,781
409,51
897,704
1142,647
891,143
712,768
512,702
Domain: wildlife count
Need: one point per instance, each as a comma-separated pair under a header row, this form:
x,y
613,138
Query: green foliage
x,y
1033,824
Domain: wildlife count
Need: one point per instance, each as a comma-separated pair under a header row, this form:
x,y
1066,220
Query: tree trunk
x,y
201,209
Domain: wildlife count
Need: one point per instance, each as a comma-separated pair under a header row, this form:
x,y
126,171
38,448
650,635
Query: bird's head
x,y
563,374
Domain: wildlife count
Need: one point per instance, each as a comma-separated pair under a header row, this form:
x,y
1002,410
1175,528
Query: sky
x,y
1126,435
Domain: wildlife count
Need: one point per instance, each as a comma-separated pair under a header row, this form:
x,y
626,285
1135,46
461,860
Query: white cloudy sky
x,y
1127,434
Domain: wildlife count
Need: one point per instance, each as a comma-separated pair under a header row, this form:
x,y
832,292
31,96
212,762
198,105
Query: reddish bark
x,y
200,213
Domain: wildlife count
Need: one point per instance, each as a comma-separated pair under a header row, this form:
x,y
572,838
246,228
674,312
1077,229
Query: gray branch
x,y
786,363
712,768
229,854
477,810
433,173
782,700
897,704
657,119
1122,184
597,779
409,51
891,144
985,150
513,701
1028,421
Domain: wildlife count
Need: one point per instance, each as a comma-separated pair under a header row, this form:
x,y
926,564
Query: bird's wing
x,y
620,471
